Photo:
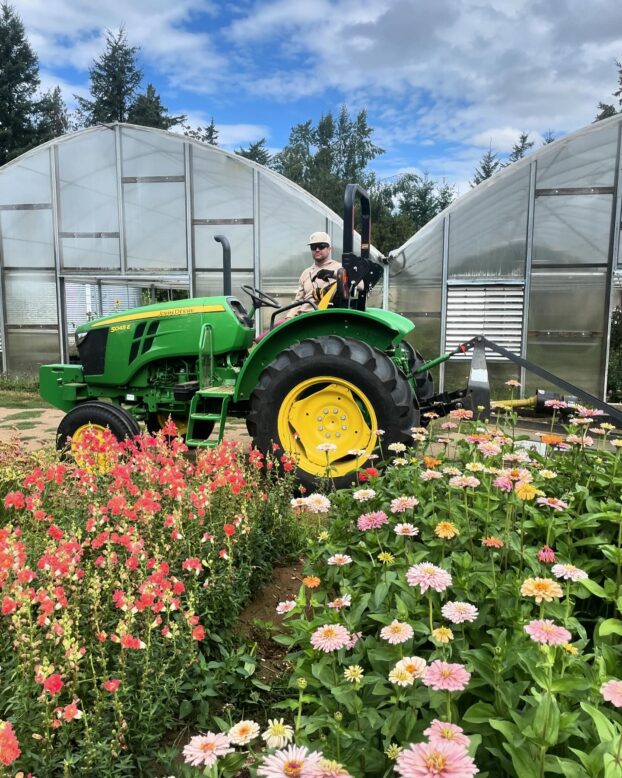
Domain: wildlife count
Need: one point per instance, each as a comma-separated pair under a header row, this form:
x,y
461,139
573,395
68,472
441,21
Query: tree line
x,y
322,157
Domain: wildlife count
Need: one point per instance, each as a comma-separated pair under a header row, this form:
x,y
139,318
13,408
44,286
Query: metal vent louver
x,y
494,311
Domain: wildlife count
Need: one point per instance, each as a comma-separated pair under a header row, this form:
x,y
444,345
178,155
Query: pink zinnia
x,y
401,504
396,632
444,731
446,676
612,692
442,759
569,572
285,606
464,481
459,612
339,559
430,475
547,631
288,762
428,576
205,749
330,637
546,555
552,502
489,449
504,483
325,768
373,520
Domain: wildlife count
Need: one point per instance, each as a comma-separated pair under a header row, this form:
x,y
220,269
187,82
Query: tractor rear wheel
x,y
323,401
96,416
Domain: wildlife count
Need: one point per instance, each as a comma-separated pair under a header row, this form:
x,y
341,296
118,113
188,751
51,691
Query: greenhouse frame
x,y
104,218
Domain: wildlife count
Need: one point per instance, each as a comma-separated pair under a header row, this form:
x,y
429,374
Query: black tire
x,y
359,386
98,414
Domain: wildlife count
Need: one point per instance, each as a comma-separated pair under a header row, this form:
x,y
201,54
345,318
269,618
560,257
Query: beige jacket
x,y
308,284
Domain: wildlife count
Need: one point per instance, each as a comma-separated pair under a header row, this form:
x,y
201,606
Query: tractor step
x,y
219,418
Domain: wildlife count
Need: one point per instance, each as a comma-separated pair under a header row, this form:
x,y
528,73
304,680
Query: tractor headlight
x,y
80,336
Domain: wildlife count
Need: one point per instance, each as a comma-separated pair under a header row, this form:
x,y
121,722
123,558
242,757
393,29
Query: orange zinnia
x,y
431,462
311,581
552,440
541,589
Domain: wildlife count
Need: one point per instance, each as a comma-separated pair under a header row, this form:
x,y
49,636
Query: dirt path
x,y
36,426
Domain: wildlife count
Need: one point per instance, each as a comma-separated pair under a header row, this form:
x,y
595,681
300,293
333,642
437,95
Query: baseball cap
x,y
319,237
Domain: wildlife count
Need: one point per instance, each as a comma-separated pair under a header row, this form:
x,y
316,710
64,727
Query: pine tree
x,y
207,134
519,149
549,137
257,152
19,79
115,78
148,111
326,157
488,166
52,118
605,110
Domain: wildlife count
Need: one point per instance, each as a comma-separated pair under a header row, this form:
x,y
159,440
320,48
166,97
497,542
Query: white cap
x,y
319,237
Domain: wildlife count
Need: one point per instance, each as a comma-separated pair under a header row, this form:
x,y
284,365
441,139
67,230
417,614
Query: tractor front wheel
x,y
323,402
95,416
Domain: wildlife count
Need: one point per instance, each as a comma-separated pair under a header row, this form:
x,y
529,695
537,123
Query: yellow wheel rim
x,y
327,410
181,423
102,462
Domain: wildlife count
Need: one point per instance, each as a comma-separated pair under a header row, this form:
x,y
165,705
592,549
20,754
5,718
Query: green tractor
x,y
320,388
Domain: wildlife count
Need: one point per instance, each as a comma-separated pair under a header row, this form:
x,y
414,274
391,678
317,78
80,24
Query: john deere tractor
x,y
319,387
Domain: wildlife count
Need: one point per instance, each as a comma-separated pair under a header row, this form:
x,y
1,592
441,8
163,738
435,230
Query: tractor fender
x,y
62,386
379,328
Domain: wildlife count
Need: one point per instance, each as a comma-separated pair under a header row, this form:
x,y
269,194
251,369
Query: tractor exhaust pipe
x,y
226,263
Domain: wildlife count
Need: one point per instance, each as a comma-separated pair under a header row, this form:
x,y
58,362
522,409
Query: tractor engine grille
x,y
144,336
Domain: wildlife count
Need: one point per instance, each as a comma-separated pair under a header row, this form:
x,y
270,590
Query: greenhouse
x,y
117,215
113,216
530,257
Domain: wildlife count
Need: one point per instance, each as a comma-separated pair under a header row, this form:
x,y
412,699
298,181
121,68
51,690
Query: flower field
x,y
459,614
120,577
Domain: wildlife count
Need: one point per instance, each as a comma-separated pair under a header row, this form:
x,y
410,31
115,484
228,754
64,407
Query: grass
x,y
20,392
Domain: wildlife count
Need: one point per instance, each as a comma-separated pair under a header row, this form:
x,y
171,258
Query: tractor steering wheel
x,y
260,298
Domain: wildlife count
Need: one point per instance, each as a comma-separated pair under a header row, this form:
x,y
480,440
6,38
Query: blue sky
x,y
440,79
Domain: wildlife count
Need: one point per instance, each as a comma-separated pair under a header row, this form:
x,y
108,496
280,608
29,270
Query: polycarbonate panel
x,y
208,253
412,299
27,238
487,233
285,223
567,333
421,259
155,226
28,349
210,285
30,298
147,153
90,253
27,181
572,229
583,159
222,187
88,183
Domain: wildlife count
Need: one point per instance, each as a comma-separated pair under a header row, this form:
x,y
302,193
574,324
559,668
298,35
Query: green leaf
x,y
480,713
524,764
606,730
546,721
509,731
609,627
593,588
185,709
566,767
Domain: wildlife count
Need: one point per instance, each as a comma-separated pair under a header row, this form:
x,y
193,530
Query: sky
x,y
442,80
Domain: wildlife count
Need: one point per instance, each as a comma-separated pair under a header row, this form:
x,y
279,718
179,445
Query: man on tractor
x,y
316,278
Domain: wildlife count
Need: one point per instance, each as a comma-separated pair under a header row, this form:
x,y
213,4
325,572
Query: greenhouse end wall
x,y
531,259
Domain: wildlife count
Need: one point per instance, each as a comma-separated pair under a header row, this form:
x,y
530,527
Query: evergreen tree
x,y
52,118
605,110
19,79
207,134
115,77
549,137
519,149
488,166
257,152
326,157
148,111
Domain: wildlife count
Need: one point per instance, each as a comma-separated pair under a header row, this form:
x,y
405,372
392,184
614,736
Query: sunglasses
x,y
319,246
